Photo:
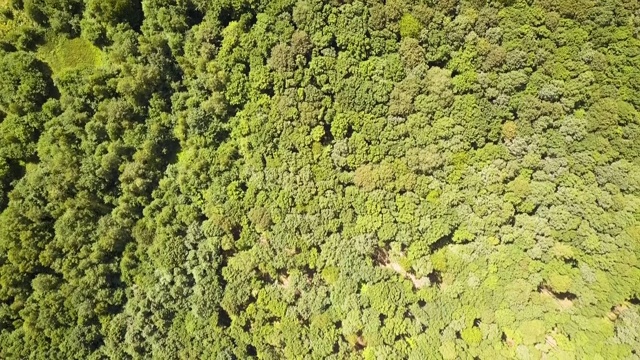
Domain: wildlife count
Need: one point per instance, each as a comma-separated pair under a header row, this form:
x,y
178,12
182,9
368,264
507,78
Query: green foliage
x,y
100,18
59,16
409,26
315,179
25,82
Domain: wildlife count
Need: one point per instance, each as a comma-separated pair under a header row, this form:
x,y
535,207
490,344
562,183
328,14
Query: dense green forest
x,y
319,179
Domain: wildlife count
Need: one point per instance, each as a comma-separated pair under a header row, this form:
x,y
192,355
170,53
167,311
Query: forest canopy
x,y
310,179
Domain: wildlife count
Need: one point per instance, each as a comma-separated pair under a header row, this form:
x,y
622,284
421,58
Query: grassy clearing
x,y
65,54
57,51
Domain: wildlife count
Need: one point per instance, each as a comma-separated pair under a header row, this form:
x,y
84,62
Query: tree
x,y
25,82
320,179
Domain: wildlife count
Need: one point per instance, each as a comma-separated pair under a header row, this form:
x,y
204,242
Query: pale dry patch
x,y
547,347
616,311
551,341
417,282
510,342
284,281
383,260
563,303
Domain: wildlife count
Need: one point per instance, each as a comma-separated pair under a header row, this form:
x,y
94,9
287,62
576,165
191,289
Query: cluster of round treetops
x,y
319,179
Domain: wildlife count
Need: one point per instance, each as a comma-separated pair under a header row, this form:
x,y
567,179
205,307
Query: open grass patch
x,y
63,54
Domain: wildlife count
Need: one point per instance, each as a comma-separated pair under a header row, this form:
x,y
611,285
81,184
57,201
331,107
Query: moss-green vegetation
x,y
62,54
308,179
12,22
